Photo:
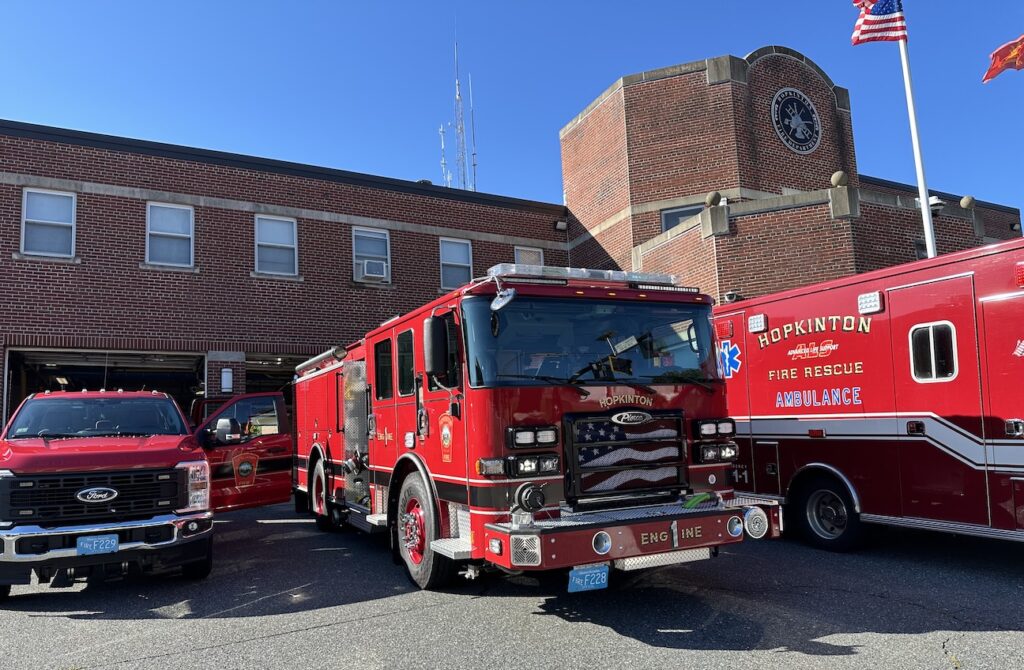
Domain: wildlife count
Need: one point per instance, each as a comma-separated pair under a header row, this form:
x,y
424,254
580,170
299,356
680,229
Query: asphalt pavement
x,y
283,595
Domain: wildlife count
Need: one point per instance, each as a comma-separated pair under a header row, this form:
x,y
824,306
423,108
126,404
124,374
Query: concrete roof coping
x,y
950,197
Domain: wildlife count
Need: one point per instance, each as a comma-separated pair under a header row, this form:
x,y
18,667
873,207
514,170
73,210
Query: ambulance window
x,y
382,370
933,352
406,372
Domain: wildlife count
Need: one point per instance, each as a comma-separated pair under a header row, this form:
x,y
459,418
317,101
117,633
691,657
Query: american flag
x,y
603,444
880,21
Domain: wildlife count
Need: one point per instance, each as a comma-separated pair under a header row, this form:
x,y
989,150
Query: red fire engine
x,y
539,418
888,397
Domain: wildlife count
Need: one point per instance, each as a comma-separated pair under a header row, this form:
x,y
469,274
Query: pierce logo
x,y
99,494
631,418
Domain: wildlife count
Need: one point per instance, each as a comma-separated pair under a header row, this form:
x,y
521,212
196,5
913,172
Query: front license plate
x,y
97,544
589,578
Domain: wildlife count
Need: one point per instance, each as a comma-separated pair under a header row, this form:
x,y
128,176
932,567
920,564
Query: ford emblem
x,y
99,494
631,418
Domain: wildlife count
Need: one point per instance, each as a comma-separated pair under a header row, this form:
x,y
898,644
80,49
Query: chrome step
x,y
659,560
377,519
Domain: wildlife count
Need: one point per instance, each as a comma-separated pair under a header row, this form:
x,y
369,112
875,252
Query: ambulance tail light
x,y
1019,275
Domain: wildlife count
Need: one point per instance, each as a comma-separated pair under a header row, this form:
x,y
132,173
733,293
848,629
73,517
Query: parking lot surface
x,y
284,595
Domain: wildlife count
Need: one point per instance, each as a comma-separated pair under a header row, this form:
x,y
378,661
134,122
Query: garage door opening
x,y
33,371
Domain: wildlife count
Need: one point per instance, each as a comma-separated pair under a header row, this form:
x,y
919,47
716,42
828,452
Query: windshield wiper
x,y
584,393
676,378
116,433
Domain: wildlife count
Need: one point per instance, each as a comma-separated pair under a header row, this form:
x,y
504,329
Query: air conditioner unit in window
x,y
374,271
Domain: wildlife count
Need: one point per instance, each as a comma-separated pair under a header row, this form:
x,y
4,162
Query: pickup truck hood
x,y
85,454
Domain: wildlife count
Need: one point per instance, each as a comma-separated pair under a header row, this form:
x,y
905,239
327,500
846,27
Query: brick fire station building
x,y
126,263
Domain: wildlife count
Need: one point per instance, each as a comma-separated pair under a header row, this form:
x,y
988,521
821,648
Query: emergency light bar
x,y
642,280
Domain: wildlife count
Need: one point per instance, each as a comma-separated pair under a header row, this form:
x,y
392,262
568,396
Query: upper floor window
x,y
371,255
277,248
529,256
48,223
169,230
456,262
933,355
670,218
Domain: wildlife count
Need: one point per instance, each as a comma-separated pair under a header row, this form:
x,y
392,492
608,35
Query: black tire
x,y
200,569
5,592
824,513
416,525
318,499
301,500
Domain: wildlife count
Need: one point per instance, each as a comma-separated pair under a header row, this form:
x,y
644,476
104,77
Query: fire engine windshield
x,y
538,341
55,418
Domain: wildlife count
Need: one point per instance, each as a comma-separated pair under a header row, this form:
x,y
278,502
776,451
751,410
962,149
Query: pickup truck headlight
x,y
197,478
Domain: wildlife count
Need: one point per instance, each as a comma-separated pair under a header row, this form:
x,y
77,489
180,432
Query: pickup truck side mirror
x,y
229,431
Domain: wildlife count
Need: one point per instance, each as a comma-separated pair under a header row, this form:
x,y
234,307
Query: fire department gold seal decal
x,y
445,426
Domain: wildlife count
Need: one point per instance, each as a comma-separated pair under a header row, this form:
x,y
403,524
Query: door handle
x,y
1015,428
915,427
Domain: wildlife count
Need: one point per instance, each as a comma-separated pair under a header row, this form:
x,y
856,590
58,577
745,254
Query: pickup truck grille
x,y
607,459
52,499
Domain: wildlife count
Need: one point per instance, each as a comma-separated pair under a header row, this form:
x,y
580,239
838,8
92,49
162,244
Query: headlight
x,y
490,466
728,452
197,477
709,454
541,464
527,466
548,465
727,427
708,429
529,437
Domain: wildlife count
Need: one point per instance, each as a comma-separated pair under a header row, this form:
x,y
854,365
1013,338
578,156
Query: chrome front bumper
x,y
9,537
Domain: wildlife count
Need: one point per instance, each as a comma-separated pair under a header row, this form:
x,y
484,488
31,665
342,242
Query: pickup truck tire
x,y
417,526
5,592
825,515
200,569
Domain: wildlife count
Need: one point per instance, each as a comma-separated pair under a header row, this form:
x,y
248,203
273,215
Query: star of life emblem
x,y
1019,351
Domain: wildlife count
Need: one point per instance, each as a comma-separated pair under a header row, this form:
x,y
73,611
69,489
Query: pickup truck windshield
x,y
544,341
56,418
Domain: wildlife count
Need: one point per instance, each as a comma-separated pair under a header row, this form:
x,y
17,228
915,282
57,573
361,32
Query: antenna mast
x,y
472,130
460,130
446,175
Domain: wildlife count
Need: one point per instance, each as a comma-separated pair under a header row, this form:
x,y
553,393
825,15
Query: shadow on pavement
x,y
779,596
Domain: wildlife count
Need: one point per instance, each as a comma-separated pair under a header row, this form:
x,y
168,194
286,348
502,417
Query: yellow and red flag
x,y
1009,56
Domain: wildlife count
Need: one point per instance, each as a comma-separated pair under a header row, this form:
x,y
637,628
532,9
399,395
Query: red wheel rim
x,y
413,530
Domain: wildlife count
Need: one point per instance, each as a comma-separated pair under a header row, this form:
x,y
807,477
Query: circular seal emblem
x,y
796,121
245,468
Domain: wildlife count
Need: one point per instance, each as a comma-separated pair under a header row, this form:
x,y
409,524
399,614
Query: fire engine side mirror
x,y
435,346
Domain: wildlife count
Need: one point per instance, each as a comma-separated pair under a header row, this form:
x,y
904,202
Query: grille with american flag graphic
x,y
610,457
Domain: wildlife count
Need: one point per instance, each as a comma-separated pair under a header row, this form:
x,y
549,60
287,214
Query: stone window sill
x,y
379,285
169,268
66,260
265,275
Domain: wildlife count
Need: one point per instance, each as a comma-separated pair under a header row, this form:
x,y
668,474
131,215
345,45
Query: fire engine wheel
x,y
827,517
325,518
417,526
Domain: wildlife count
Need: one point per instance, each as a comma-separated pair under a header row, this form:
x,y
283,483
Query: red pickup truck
x,y
97,483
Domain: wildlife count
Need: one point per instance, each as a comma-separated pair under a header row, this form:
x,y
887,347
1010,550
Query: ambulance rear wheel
x,y
826,516
318,502
417,527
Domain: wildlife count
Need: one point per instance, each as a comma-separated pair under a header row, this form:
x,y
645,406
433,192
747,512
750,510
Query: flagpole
x,y
922,185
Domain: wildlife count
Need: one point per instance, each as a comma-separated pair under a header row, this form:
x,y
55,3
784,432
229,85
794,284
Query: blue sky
x,y
364,86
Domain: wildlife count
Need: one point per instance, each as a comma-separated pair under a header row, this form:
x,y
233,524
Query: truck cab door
x,y
249,448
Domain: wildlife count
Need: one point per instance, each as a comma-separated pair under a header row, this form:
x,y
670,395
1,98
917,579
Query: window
x,y
48,223
169,230
277,249
529,256
452,377
256,416
933,352
670,218
382,368
373,246
406,364
456,262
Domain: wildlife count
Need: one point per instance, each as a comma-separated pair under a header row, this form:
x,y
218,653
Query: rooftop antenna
x,y
460,129
446,175
472,130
